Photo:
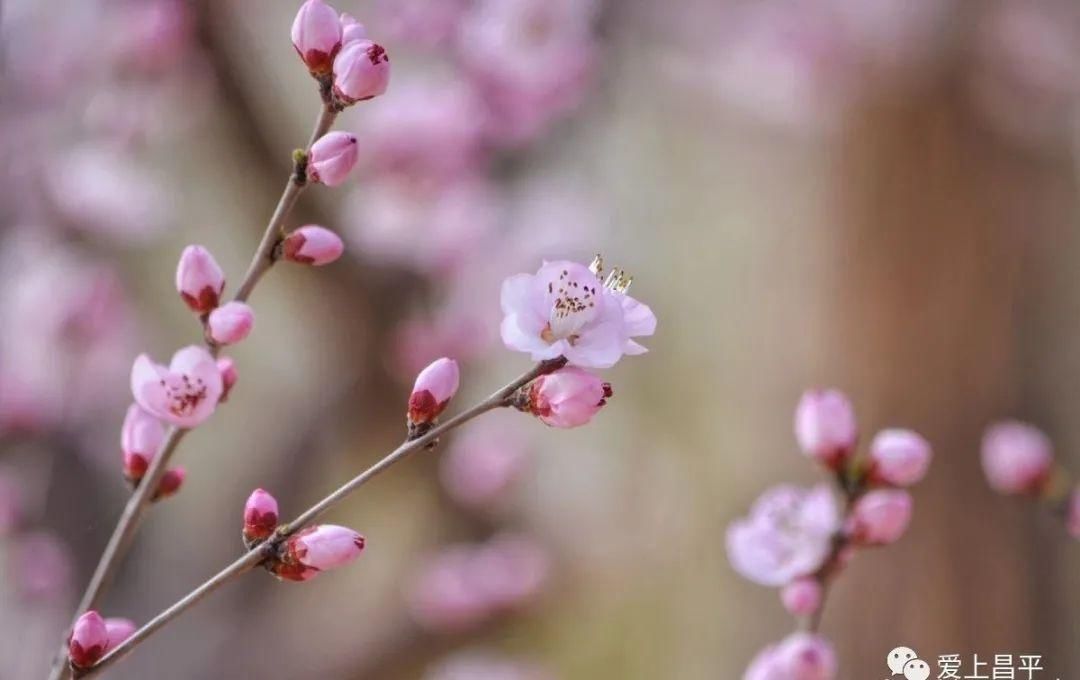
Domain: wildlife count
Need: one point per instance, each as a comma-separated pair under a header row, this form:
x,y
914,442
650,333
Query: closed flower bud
x,y
316,35
312,244
199,279
434,388
1017,458
119,630
825,427
230,323
351,29
317,549
361,71
569,397
170,483
89,638
260,515
802,597
332,157
229,376
140,439
880,517
898,457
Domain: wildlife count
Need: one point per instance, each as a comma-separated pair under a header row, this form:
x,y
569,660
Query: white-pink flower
x,y
788,534
899,457
880,517
567,309
185,393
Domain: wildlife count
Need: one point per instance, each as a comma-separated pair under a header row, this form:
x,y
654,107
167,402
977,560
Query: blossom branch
x,y
140,500
499,399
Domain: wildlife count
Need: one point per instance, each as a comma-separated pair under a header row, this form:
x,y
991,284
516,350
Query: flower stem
x,y
258,554
140,500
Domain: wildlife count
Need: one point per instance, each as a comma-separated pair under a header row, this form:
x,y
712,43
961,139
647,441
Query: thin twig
x,y
253,557
140,500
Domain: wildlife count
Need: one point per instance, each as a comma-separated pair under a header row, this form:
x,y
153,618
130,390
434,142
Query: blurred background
x,y
878,195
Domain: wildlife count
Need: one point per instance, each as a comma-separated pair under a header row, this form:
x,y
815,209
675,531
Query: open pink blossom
x,y
185,394
569,397
880,517
260,515
565,309
332,157
118,630
788,534
800,656
825,426
199,279
1017,458
434,388
140,439
316,35
230,323
899,457
361,71
88,641
312,244
317,549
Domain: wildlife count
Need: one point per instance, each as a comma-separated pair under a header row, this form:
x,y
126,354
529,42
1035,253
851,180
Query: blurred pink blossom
x,y
40,565
150,35
899,457
531,61
482,463
425,23
802,597
430,227
800,656
480,665
825,426
230,323
464,585
880,517
118,630
788,534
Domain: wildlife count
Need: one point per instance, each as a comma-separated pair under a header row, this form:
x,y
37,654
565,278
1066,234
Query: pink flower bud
x,y
140,439
569,397
312,245
199,279
1017,458
880,517
899,457
351,29
433,390
118,630
260,515
230,323
319,548
802,597
1072,514
332,157
361,71
316,35
229,376
170,483
825,426
88,641
185,394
